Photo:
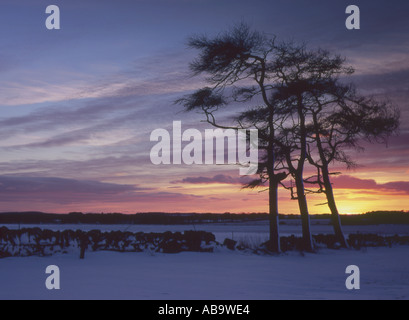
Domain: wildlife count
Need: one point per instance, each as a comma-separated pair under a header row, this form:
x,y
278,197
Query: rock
x,y
171,246
230,244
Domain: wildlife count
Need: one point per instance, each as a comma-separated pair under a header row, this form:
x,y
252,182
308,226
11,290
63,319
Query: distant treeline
x,y
118,218
377,217
370,218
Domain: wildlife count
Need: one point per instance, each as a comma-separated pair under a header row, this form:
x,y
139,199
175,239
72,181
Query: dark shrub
x,y
229,243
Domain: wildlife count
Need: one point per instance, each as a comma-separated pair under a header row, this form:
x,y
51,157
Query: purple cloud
x,y
400,186
11,184
349,182
220,178
69,191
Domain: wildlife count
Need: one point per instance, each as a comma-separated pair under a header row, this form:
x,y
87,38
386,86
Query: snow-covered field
x,y
210,276
213,276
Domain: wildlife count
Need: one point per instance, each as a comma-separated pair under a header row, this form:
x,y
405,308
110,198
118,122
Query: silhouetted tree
x,y
303,112
327,117
299,75
231,61
306,77
341,119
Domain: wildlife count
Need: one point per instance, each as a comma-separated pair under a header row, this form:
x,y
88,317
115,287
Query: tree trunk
x,y
274,219
335,217
274,242
299,180
305,216
329,191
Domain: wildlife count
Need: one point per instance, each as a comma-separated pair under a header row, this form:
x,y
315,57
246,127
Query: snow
x,y
222,275
210,276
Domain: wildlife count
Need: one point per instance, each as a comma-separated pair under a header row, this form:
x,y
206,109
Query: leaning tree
x,y
325,119
236,65
341,121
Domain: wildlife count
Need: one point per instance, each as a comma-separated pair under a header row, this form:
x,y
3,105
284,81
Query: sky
x,y
78,105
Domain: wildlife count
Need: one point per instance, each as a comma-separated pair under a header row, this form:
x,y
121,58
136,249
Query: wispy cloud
x,y
155,75
220,178
71,191
58,190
